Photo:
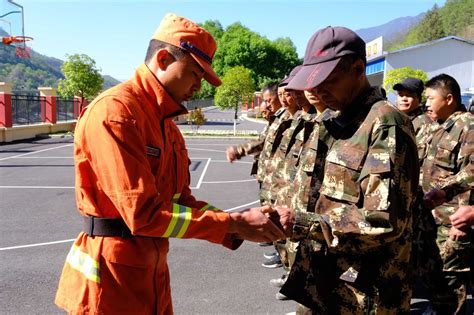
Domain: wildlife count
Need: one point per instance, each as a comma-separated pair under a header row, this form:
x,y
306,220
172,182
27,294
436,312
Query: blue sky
x,y
116,33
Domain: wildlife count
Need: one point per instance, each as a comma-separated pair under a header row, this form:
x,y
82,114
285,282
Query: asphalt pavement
x,y
40,220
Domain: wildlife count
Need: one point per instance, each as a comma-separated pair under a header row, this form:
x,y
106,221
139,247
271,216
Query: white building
x,y
451,55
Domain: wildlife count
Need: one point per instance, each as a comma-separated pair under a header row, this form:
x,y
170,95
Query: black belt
x,y
94,226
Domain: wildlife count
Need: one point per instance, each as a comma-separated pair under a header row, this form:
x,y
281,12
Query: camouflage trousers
x,y
316,281
458,258
287,252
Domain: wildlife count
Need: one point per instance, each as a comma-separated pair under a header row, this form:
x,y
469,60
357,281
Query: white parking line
x,y
235,209
231,181
219,161
37,244
44,157
208,150
225,161
203,173
37,187
34,152
242,206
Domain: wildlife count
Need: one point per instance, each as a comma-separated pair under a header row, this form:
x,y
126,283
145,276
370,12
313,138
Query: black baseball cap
x,y
410,84
324,51
290,76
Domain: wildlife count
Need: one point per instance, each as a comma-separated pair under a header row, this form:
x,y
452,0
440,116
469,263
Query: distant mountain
x,y
392,30
39,70
109,82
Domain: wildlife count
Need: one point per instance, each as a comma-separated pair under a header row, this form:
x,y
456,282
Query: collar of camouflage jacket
x,y
416,112
360,107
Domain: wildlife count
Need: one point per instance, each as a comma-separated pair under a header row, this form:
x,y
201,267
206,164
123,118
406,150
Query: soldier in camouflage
x,y
278,182
360,225
273,140
448,172
293,181
409,95
266,114
270,97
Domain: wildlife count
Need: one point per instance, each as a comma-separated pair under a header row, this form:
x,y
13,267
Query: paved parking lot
x,y
39,222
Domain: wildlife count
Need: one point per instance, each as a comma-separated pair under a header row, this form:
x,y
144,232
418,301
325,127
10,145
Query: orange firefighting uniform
x,y
131,162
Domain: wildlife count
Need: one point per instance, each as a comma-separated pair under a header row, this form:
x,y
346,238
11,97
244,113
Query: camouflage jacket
x,y
249,147
449,163
280,116
273,156
362,217
421,124
253,146
276,186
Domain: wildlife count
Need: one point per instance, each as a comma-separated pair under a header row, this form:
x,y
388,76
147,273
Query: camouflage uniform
x,y
284,167
280,177
421,124
270,146
253,147
362,218
449,165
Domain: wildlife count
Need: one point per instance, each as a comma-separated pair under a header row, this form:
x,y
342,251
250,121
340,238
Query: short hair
x,y
447,85
272,87
156,45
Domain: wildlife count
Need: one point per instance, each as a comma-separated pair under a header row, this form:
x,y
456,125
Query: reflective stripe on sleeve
x,y
176,197
83,263
179,223
208,207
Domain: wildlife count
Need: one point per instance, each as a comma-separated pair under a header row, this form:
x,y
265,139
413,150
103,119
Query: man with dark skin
x,y
355,241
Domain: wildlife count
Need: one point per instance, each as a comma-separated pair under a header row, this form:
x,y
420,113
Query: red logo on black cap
x,y
320,53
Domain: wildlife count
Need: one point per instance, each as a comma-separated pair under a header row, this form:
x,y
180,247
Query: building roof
x,y
431,43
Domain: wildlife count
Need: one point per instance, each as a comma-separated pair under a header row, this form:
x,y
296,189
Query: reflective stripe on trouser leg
x,y
84,263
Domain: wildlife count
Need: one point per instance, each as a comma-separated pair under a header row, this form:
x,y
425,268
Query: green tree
x,y
237,45
82,78
196,119
214,27
237,88
398,75
458,18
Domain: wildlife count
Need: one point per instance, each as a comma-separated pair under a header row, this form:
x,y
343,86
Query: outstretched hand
x,y
230,153
463,218
284,217
254,225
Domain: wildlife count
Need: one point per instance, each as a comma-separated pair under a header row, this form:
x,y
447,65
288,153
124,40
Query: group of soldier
x,y
374,198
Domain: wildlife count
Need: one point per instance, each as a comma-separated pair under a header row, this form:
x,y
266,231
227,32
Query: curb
x,y
55,135
259,121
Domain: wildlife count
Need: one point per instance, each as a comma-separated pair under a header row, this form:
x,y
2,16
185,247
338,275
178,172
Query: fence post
x,y
48,108
79,104
6,119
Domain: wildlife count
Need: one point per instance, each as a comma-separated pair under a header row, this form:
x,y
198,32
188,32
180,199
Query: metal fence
x,y
26,109
193,104
64,109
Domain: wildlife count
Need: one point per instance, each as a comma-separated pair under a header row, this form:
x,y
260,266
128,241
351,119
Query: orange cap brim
x,y
209,74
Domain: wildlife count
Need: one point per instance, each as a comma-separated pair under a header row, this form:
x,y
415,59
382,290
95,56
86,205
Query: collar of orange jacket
x,y
156,93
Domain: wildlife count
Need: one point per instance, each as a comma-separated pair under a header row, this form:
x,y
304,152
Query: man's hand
x,y
231,156
284,216
463,218
434,198
456,234
253,225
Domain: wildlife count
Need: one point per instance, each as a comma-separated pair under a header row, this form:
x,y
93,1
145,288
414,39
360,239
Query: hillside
x,y
454,18
39,70
392,30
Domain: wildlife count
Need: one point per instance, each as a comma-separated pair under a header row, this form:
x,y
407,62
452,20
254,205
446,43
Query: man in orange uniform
x,y
132,183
